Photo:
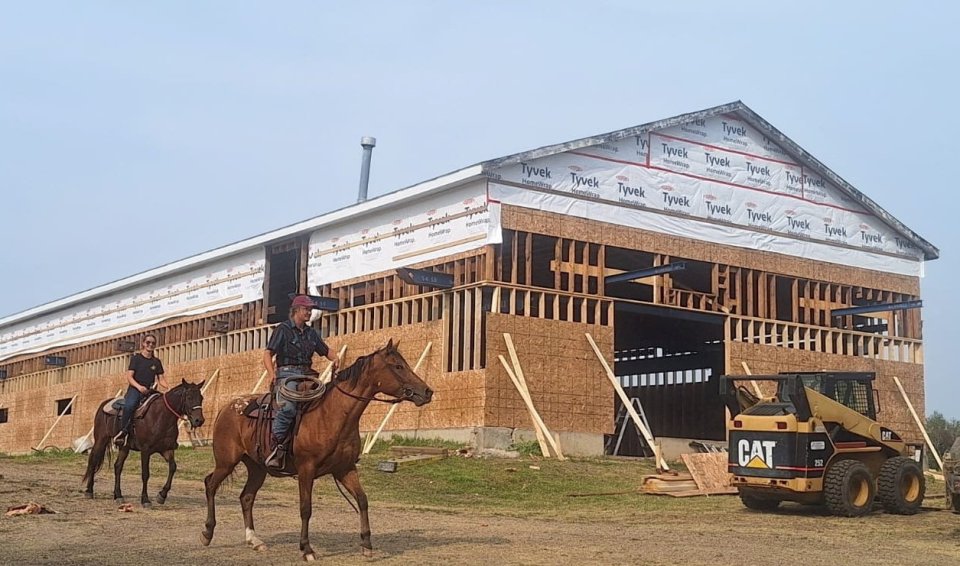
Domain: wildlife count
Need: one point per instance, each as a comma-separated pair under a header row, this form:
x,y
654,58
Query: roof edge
x,y
423,188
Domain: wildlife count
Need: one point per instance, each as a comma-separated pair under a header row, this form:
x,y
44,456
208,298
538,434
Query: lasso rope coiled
x,y
295,394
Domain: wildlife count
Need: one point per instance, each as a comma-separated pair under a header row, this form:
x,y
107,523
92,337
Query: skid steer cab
x,y
813,438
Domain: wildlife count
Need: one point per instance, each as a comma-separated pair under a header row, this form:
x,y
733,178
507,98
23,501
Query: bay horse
x,y
155,432
327,442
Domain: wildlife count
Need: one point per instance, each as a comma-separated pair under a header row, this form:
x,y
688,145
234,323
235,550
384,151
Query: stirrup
x,y
277,458
121,438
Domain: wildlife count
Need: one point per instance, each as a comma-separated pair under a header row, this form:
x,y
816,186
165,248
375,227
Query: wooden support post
x,y
756,388
259,381
538,422
518,375
56,422
661,463
327,374
916,418
372,439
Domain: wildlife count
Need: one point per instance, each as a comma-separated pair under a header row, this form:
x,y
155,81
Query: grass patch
x,y
527,448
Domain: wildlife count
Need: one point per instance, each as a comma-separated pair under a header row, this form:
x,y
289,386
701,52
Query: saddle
x,y
261,410
116,406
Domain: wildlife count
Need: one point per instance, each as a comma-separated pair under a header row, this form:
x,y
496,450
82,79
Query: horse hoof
x,y
205,540
260,547
309,557
146,504
118,500
161,500
366,552
88,494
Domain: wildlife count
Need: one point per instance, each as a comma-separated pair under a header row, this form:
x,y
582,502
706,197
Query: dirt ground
x,y
687,532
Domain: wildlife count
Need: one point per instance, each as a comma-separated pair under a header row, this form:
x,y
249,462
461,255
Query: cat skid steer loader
x,y
817,441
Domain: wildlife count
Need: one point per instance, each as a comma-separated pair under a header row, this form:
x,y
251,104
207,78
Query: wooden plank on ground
x,y
417,450
708,470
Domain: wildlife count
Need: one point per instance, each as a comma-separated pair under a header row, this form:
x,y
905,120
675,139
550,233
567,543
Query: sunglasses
x,y
150,342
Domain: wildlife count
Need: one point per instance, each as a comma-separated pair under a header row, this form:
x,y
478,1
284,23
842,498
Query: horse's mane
x,y
352,373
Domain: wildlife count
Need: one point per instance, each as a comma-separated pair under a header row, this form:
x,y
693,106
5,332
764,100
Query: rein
x,y
181,415
373,398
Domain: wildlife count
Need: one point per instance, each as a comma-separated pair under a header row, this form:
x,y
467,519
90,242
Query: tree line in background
x,y
942,432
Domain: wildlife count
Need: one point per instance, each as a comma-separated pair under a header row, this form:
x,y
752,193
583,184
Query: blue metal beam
x,y
425,278
648,272
881,307
321,303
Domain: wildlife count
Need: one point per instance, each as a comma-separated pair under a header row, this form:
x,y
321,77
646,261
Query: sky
x,y
136,134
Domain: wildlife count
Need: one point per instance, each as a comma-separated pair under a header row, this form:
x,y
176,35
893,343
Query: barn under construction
x,y
690,247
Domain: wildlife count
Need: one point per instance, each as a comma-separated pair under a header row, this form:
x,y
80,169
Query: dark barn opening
x,y
283,279
670,362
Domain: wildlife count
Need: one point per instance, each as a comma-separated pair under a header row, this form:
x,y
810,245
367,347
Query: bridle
x,y
407,392
182,414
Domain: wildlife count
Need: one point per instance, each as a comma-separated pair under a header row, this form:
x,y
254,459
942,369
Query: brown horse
x,y
156,432
328,441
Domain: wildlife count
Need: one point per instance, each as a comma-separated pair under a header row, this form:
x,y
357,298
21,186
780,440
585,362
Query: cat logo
x,y
756,453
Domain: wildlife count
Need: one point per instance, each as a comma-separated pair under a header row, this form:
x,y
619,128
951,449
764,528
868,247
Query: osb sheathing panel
x,y
458,398
567,383
559,225
893,411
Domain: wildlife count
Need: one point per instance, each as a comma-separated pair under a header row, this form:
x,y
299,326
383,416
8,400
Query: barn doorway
x,y
283,270
670,361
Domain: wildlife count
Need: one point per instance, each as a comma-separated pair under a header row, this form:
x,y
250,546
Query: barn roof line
x,y
743,111
473,172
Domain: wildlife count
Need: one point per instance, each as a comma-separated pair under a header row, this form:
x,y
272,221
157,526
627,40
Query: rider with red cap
x,y
289,354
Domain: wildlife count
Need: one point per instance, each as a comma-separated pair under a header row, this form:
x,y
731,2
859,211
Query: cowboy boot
x,y
277,459
122,437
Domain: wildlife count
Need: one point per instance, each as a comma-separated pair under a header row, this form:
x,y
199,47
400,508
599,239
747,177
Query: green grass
x,y
528,448
529,486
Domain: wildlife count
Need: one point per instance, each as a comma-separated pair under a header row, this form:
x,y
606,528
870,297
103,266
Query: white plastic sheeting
x,y
223,283
716,180
449,223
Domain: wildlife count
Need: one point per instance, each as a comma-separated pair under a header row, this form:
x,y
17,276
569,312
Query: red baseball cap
x,y
303,301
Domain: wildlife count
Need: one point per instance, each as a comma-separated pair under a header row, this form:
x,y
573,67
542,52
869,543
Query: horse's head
x,y
191,402
395,377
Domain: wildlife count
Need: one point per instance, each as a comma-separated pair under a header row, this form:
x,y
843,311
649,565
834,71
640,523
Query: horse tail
x,y
101,444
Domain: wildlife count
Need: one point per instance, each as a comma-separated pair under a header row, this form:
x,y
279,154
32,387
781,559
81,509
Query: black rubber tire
x,y
848,489
901,486
758,504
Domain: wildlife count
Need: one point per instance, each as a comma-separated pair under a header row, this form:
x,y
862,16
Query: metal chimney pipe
x,y
367,143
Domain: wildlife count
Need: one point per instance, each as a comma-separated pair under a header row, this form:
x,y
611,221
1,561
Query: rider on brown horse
x,y
289,355
143,373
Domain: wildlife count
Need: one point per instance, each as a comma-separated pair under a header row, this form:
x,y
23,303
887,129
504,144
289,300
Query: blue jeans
x,y
286,409
130,402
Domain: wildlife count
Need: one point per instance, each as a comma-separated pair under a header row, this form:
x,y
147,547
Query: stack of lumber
x,y
708,476
407,454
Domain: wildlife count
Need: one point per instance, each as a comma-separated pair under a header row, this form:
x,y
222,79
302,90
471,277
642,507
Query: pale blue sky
x,y
134,134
